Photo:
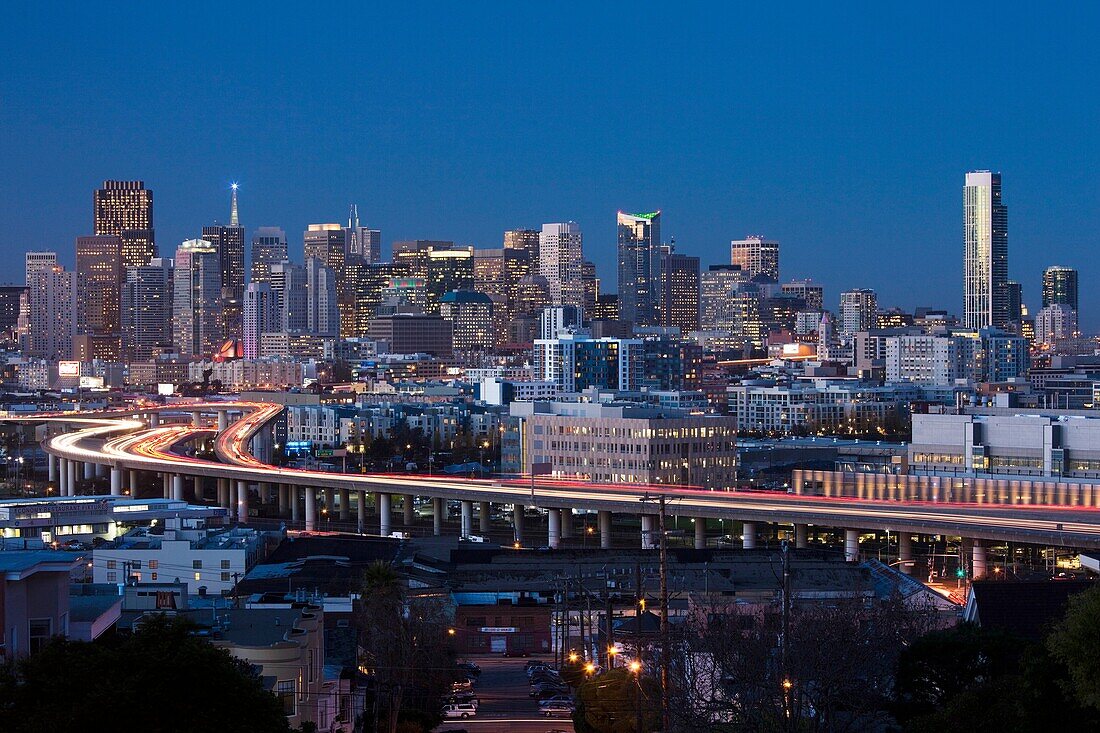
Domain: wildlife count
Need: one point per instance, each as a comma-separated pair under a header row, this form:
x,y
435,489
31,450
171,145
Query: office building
x,y
268,248
679,291
328,243
639,267
756,256
591,288
1060,286
412,333
808,291
290,285
442,265
196,299
100,276
363,243
146,310
561,259
37,262
125,209
1017,310
985,257
716,287
10,299
471,317
229,243
858,311
322,305
53,313
261,315
524,240
1054,323
577,361
558,318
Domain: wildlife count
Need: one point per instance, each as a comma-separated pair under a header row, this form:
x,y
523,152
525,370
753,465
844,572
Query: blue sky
x,y
844,133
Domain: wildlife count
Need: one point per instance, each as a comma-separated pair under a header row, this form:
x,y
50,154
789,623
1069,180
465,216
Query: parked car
x,y
547,675
461,685
460,697
460,710
558,710
470,669
560,697
540,692
535,663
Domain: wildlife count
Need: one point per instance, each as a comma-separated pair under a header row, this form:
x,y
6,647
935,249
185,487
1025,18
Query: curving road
x,y
121,441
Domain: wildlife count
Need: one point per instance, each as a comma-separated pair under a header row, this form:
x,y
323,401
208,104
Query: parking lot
x,y
505,704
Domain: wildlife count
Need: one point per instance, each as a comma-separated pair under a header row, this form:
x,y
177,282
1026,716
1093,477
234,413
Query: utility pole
x,y
664,615
785,649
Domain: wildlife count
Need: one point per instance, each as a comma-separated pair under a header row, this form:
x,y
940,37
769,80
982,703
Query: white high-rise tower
x,y
985,254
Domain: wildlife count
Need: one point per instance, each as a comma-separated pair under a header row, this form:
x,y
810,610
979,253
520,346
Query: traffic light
x,y
960,573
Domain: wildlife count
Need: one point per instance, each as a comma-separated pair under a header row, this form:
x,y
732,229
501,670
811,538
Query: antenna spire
x,y
234,220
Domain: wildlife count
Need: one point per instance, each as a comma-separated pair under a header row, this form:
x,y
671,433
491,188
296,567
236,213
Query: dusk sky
x,y
844,134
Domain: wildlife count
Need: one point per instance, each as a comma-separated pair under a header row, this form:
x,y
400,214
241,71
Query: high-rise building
x,y
756,256
37,262
807,290
100,276
146,310
471,317
261,315
561,259
679,290
1016,308
229,242
10,297
985,252
268,248
716,286
858,310
526,240
197,329
557,318
323,302
363,243
1054,323
442,265
591,288
125,209
639,267
53,313
1060,286
291,287
329,244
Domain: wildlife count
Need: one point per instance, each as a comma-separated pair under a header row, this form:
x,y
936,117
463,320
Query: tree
x,y
161,678
1075,643
405,647
610,703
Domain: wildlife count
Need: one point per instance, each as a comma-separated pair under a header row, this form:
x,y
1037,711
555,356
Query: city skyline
x,y
442,158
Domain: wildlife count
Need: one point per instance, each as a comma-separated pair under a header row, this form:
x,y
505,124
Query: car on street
x,y
560,697
460,710
557,710
546,691
460,697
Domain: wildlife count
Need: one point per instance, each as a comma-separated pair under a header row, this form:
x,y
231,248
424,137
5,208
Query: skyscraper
x,y
1060,286
125,209
639,267
54,311
591,288
261,315
146,309
561,261
858,309
196,296
229,242
268,248
985,252
291,287
756,256
523,239
100,276
807,290
679,290
322,306
363,243
716,286
38,261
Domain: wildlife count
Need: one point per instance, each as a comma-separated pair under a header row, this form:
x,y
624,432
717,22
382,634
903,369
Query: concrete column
x,y
700,533
292,497
361,511
851,545
978,560
154,420
242,502
223,492
604,520
311,508
74,468
384,514
566,523
166,485
133,482
648,542
801,536
231,504
51,464
116,482
177,487
748,535
89,470
437,517
62,476
100,470
553,522
345,505
408,510
196,419
905,552
484,518
517,522
223,420
467,519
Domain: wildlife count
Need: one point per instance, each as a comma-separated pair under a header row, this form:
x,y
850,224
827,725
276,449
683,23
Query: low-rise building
x,y
34,599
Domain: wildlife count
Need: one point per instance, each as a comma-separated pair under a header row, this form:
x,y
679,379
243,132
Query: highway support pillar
x,y
801,536
133,482
566,523
177,487
467,519
74,468
408,510
604,520
978,560
51,463
311,509
483,518
242,502
553,526
89,470
196,419
700,533
851,545
345,505
154,420
905,553
748,535
648,532
223,492
63,477
116,482
100,470
385,512
223,420
437,516
295,504
166,485
517,523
